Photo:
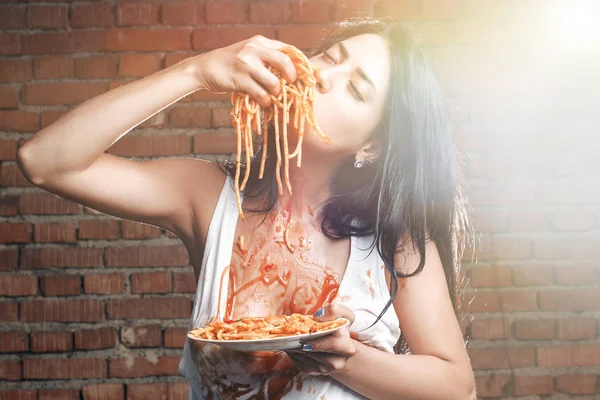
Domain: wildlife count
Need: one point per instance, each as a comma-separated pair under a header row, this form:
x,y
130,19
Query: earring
x,y
360,163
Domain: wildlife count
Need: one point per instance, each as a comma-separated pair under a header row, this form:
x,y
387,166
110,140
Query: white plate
x,y
270,344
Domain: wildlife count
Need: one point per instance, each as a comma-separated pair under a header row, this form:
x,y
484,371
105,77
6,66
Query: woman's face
x,y
351,94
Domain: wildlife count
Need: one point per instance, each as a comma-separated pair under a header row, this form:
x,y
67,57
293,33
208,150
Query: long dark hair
x,y
411,194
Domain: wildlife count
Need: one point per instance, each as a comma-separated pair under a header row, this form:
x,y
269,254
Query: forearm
x,y
76,140
380,375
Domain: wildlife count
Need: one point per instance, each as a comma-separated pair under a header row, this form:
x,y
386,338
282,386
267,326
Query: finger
x,y
311,366
338,342
333,311
281,62
269,43
266,79
256,91
332,363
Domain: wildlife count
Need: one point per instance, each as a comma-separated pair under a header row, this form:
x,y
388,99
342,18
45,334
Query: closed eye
x,y
355,91
329,57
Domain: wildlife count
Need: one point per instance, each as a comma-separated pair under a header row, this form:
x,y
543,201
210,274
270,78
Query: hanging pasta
x,y
296,97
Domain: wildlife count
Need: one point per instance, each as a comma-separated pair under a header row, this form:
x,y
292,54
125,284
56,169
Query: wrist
x,y
191,68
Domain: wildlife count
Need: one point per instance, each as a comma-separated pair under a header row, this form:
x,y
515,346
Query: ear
x,y
370,151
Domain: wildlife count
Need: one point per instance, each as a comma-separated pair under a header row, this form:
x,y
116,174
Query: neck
x,y
311,185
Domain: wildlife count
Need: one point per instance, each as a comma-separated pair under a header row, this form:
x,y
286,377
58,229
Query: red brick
x,y
19,121
138,65
98,229
9,98
18,285
71,368
9,312
63,285
502,357
14,342
175,337
268,12
64,42
143,391
12,17
15,70
487,277
141,336
16,232
91,15
184,282
104,391
153,282
8,259
55,232
10,43
47,17
46,203
8,149
568,356
576,328
8,204
51,342
147,256
104,283
61,257
149,308
58,394
505,247
572,221
501,195
94,339
352,8
501,301
147,40
489,329
310,12
142,367
534,329
49,117
178,391
10,370
18,395
577,384
182,13
532,275
194,117
149,146
226,12
214,144
136,230
62,311
11,175
402,11
576,274
156,121
488,221
64,93
442,10
303,37
205,95
570,300
209,38
137,14
531,385
221,117
96,67
174,58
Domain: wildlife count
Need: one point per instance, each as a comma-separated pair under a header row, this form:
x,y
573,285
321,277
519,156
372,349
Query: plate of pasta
x,y
272,333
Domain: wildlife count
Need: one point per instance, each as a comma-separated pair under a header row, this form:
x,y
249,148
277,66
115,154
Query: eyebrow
x,y
359,70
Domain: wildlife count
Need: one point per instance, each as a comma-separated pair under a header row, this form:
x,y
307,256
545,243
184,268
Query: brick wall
x,y
94,307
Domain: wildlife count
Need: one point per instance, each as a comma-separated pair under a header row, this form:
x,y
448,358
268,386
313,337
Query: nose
x,y
328,75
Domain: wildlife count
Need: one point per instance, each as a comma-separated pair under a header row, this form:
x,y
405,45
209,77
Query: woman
x,y
375,217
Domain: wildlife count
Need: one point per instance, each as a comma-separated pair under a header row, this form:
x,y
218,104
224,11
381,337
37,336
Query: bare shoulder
x,y
204,181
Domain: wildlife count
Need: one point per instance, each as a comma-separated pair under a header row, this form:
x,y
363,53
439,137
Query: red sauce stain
x,y
266,278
